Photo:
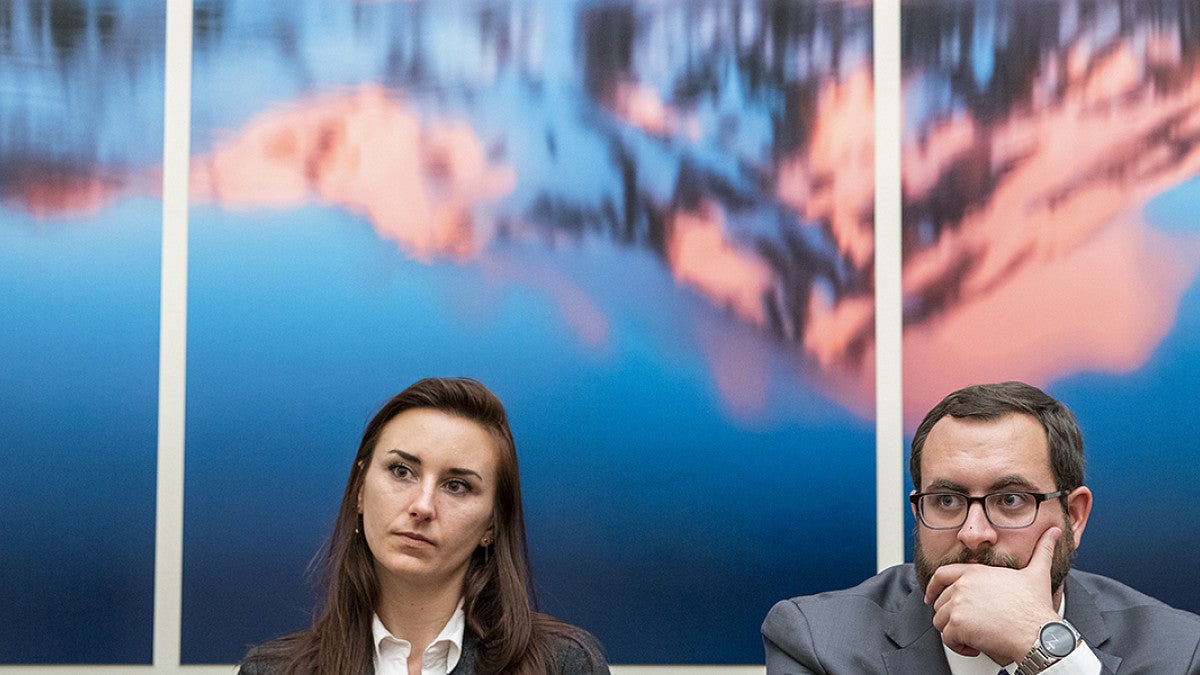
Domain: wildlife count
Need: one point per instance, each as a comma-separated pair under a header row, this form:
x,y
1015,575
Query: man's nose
x,y
976,530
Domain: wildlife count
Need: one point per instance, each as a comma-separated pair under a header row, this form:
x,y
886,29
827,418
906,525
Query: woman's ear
x,y
359,499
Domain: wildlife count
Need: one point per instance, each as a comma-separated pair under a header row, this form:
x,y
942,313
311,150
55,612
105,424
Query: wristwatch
x,y
1055,641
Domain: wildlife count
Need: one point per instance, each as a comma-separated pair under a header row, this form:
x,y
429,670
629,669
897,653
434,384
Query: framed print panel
x,y
81,106
1051,186
645,225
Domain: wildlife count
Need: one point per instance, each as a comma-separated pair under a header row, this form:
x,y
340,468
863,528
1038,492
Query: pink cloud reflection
x,y
1105,307
1062,274
419,182
641,107
833,181
701,256
50,192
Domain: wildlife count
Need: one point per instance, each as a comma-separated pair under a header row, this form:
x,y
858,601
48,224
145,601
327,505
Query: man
x,y
1000,507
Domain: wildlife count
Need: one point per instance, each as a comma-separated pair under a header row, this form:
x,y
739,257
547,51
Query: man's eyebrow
x,y
453,471
947,486
1012,481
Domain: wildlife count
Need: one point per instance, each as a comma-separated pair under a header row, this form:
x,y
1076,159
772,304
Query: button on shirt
x,y
440,657
1079,662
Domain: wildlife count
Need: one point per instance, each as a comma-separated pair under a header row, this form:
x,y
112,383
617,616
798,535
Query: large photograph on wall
x,y
81,106
647,226
1051,172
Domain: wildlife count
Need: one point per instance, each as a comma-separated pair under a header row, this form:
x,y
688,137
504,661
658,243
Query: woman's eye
x,y
458,487
400,470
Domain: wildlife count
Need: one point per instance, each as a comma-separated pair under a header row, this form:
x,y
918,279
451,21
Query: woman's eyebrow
x,y
454,471
405,456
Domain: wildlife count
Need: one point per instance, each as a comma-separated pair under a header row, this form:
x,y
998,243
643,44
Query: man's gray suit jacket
x,y
884,626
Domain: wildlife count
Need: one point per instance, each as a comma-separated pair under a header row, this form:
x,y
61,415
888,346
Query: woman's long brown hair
x,y
512,636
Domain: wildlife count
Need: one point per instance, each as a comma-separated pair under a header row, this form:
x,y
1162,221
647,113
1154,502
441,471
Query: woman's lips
x,y
415,540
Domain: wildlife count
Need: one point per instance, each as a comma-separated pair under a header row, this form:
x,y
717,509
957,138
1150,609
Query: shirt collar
x,y
448,643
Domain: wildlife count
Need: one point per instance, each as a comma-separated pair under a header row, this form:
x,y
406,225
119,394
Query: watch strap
x,y
1036,661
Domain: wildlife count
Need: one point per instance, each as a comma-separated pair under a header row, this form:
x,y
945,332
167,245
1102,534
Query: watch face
x,y
1057,639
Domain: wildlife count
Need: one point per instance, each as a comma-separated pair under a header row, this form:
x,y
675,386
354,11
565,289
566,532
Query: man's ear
x,y
1079,507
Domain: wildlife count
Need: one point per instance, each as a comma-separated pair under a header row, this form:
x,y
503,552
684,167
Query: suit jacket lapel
x,y
1083,613
466,660
919,645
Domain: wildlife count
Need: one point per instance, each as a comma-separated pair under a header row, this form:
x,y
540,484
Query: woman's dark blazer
x,y
571,657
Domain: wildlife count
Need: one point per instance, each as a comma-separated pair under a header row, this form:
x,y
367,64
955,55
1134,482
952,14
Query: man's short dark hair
x,y
992,401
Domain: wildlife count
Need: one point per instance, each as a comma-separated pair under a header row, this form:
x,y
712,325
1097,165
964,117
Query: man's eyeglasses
x,y
1004,510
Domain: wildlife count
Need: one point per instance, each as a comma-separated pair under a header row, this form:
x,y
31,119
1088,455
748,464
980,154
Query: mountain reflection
x,y
732,141
1035,134
72,139
701,134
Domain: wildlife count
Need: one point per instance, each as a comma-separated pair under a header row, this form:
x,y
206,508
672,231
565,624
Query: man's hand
x,y
994,610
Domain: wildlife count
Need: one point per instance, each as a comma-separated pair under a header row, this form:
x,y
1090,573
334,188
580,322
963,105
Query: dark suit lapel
x,y
918,644
1083,613
466,660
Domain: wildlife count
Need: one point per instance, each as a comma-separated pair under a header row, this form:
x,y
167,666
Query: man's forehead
x,y
998,448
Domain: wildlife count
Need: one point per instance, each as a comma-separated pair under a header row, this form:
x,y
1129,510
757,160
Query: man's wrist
x,y
1056,640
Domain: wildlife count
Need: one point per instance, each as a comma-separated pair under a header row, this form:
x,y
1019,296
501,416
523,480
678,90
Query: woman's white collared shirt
x,y
440,657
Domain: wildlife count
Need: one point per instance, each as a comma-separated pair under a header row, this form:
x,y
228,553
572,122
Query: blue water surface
x,y
656,519
78,427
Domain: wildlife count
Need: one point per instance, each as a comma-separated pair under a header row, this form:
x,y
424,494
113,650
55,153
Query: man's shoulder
x,y
884,589
1110,595
882,594
847,630
1127,626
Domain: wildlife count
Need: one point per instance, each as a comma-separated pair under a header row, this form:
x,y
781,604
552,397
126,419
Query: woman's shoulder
x,y
264,659
576,651
255,662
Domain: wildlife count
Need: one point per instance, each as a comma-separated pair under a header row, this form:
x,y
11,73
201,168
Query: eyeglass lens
x,y
947,510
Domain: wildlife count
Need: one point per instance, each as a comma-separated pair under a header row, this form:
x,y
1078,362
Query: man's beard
x,y
1064,556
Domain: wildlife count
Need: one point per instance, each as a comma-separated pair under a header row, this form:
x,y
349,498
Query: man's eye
x,y
1011,500
949,501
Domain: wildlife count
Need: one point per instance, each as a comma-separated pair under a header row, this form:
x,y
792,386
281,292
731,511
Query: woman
x,y
428,552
